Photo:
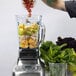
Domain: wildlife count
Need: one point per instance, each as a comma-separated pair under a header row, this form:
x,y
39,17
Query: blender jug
x,y
31,31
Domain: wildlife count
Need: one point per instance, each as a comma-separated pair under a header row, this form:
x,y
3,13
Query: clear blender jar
x,y
31,31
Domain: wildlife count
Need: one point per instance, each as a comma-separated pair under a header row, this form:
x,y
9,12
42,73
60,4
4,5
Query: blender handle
x,y
42,34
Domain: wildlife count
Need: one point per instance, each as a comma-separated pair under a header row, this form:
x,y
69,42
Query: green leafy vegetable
x,y
52,53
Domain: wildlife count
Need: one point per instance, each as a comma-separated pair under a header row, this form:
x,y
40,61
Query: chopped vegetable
x,y
52,53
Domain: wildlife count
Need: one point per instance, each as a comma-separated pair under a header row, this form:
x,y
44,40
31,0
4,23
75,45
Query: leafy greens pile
x,y
52,53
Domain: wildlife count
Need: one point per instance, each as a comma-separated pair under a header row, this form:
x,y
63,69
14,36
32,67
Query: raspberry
x,y
28,4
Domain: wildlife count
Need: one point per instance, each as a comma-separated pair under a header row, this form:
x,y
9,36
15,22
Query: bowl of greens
x,y
53,53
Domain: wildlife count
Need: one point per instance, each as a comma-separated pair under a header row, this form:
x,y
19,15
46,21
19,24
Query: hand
x,y
57,4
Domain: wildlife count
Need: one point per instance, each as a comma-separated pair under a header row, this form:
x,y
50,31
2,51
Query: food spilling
x,y
28,35
28,4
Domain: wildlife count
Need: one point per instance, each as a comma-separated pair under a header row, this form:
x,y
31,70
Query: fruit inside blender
x,y
28,35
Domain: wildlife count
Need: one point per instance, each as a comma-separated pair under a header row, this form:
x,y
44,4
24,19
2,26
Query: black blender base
x,y
27,61
28,54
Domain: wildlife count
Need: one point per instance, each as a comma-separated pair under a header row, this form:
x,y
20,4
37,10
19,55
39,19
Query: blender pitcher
x,y
31,31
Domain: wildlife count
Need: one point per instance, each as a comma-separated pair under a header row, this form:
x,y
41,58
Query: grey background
x,y
58,23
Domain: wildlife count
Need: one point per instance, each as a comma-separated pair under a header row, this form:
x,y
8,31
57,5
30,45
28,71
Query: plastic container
x,y
31,31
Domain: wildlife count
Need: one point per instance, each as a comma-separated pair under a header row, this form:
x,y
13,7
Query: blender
x,y
31,33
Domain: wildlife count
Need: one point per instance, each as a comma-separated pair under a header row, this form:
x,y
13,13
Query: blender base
x,y
28,69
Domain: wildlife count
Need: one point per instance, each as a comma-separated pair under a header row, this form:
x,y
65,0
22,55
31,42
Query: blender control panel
x,y
28,68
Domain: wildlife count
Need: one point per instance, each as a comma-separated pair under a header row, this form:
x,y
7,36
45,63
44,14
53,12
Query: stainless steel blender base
x,y
31,74
28,70
28,74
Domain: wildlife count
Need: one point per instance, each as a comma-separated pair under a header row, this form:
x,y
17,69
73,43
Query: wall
x,y
58,23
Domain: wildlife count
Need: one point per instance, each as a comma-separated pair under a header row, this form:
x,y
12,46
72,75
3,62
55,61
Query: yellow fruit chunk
x,y
24,43
21,26
32,43
34,26
21,29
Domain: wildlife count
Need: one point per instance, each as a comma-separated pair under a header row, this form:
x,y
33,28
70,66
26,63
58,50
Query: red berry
x,y
28,4
29,10
29,14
